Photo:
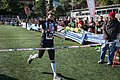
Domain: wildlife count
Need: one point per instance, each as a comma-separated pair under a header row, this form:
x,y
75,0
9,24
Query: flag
x,y
27,10
91,6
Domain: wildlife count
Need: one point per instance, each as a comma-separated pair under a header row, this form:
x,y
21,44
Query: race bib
x,y
49,35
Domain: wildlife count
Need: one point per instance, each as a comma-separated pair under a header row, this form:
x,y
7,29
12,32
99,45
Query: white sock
x,y
53,66
34,56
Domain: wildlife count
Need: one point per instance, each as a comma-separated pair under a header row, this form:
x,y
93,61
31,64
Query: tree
x,y
116,1
10,7
73,4
14,7
65,4
3,4
105,2
80,4
50,4
60,11
64,1
40,8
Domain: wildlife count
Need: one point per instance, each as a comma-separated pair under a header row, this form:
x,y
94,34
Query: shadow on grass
x,y
60,75
116,63
4,77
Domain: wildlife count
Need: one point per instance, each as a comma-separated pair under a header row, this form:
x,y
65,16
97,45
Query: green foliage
x,y
64,1
10,7
116,1
60,11
50,4
15,6
106,2
66,5
40,8
3,4
83,4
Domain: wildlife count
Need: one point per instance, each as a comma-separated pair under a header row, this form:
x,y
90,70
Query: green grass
x,y
72,64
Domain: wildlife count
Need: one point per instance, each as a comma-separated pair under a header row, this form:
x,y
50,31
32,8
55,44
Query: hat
x,y
112,14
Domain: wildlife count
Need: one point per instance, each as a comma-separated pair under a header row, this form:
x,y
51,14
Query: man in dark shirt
x,y
91,25
67,21
110,31
99,25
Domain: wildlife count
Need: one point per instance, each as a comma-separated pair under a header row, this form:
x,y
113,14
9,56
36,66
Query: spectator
x,y
85,25
106,19
67,21
99,25
72,23
110,31
80,23
91,25
62,22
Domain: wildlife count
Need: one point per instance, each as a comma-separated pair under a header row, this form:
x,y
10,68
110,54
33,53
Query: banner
x,y
83,37
27,10
95,38
91,6
78,37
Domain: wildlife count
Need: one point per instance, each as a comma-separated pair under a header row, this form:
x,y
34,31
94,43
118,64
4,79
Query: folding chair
x,y
117,53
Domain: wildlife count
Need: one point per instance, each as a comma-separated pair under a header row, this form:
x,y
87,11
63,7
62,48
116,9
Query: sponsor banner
x,y
95,38
91,6
75,36
87,36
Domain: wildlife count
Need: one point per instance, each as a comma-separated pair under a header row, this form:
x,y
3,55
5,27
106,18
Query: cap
x,y
112,14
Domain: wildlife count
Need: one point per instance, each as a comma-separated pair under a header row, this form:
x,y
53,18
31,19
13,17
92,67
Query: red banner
x,y
27,10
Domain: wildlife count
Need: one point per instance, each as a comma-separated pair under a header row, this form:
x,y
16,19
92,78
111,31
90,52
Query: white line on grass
x,y
116,57
18,38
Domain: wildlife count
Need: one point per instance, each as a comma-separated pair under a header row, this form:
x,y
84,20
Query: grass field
x,y
72,64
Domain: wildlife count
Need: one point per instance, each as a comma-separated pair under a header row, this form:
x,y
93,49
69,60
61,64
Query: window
x,y
115,10
98,12
108,11
104,12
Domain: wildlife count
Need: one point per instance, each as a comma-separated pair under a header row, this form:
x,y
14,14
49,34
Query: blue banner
x,y
75,36
95,38
83,37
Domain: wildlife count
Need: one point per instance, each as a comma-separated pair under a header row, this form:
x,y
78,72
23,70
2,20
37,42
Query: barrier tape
x,y
52,48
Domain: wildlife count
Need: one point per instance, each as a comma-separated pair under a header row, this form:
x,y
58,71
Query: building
x,y
100,11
